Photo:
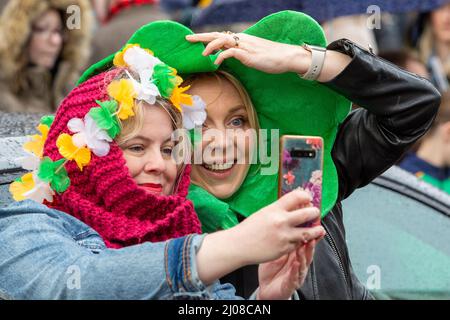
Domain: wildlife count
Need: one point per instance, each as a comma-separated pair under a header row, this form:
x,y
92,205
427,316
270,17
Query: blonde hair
x,y
131,127
425,48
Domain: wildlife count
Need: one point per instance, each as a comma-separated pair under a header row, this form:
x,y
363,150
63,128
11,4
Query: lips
x,y
152,187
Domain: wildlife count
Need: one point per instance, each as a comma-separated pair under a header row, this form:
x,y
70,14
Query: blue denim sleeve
x,y
39,259
181,270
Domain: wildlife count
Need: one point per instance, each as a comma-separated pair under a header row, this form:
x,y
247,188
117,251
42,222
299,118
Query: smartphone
x,y
301,166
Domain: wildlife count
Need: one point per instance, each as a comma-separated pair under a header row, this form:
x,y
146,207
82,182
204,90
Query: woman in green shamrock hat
x,y
267,59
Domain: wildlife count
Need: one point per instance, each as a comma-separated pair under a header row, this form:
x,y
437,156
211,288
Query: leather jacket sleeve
x,y
397,108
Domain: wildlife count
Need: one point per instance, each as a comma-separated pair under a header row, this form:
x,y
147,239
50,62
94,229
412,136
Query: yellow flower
x,y
123,92
118,58
36,145
19,188
178,97
70,151
178,79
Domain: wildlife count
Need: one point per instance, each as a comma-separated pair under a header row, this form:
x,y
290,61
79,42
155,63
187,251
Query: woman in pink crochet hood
x,y
112,170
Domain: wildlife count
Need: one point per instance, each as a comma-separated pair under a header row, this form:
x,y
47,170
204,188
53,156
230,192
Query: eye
x,y
137,148
167,151
237,122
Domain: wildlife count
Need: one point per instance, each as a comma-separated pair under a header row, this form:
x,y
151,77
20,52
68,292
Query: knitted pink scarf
x,y
104,195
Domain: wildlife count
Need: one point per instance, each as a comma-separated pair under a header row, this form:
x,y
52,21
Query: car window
x,y
403,241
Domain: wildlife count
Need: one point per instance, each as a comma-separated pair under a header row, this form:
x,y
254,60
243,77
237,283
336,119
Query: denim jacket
x,y
47,254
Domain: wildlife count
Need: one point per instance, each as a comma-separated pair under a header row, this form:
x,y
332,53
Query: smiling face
x,y
148,151
226,142
47,39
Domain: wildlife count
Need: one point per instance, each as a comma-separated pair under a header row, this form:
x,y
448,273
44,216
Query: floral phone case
x,y
301,166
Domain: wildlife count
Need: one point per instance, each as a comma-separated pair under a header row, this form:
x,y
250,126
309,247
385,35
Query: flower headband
x,y
101,124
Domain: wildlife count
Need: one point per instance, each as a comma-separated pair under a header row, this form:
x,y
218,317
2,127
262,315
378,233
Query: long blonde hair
x,y
425,47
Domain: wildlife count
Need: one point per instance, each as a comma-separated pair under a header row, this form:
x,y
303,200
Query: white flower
x,y
145,89
90,135
138,59
29,162
41,191
194,115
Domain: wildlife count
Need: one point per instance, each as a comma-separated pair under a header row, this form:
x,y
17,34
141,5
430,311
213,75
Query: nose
x,y
155,164
220,142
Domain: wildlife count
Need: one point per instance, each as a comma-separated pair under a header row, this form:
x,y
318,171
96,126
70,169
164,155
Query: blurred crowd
x,y
46,44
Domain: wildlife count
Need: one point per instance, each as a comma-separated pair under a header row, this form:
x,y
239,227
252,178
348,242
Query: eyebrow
x,y
149,140
237,108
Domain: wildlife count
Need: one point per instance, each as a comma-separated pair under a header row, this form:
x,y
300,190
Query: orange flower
x,y
178,97
289,177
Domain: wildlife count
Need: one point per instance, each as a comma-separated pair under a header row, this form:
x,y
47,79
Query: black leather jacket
x,y
397,108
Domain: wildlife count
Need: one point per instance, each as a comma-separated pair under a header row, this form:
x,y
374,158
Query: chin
x,y
219,194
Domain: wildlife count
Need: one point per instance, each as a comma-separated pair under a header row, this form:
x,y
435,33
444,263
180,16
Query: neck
x,y
430,151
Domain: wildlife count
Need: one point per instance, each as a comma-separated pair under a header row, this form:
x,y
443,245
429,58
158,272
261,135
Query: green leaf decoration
x,y
48,120
46,169
59,181
164,79
104,117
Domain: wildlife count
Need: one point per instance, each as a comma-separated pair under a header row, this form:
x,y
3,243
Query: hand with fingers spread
x,y
280,278
268,56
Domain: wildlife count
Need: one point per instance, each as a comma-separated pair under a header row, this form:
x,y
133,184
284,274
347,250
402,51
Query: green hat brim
x,y
282,101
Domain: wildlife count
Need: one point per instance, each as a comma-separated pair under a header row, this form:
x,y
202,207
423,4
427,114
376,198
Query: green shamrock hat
x,y
282,101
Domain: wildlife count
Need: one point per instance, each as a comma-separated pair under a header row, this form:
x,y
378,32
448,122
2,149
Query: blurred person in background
x,y
3,4
431,38
353,28
119,19
182,11
40,58
431,162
